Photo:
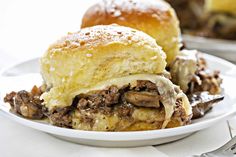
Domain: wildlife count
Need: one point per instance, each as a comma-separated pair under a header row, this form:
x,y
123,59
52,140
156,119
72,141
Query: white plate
x,y
218,47
25,75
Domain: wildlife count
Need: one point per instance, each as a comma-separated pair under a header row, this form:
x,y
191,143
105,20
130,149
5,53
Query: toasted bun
x,y
154,17
92,55
227,6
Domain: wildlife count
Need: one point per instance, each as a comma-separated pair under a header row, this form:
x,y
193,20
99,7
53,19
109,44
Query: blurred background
x,y
27,27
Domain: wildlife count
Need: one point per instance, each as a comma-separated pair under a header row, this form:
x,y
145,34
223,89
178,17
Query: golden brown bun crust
x,y
227,6
83,59
154,17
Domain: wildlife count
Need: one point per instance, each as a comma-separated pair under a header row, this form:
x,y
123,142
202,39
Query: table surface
x,y
26,29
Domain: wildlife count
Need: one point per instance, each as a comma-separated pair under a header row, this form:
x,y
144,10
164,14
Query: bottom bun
x,y
141,119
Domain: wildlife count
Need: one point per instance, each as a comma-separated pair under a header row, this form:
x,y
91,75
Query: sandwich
x,y
188,68
105,78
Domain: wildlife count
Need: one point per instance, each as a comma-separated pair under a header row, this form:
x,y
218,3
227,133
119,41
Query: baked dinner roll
x,y
83,59
110,78
154,17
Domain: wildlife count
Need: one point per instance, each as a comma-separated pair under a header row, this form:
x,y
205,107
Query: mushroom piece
x,y
202,102
142,99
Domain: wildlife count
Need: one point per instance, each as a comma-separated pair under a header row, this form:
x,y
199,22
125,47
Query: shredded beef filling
x,y
204,89
26,103
112,99
205,80
190,72
29,105
61,116
144,94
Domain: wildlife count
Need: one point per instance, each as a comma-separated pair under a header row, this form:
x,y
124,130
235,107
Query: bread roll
x,y
83,59
110,78
154,17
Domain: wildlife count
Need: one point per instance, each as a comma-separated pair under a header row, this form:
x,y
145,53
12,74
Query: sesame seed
x,y
87,33
52,69
82,43
89,55
154,57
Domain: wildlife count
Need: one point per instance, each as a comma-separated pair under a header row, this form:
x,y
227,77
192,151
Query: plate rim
x,y
6,68
212,40
117,136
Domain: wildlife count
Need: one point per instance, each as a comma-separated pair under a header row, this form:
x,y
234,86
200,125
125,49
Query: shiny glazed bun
x,y
83,59
154,17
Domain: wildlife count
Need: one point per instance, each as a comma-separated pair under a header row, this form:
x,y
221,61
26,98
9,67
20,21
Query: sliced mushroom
x,y
142,99
202,102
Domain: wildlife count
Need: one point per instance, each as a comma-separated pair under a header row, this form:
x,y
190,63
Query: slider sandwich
x,y
105,78
157,18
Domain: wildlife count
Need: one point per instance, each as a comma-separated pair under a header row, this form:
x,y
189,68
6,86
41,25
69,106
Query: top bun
x,y
154,17
227,6
83,59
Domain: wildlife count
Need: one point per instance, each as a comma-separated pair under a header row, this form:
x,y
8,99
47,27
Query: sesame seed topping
x,y
87,33
89,55
82,43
